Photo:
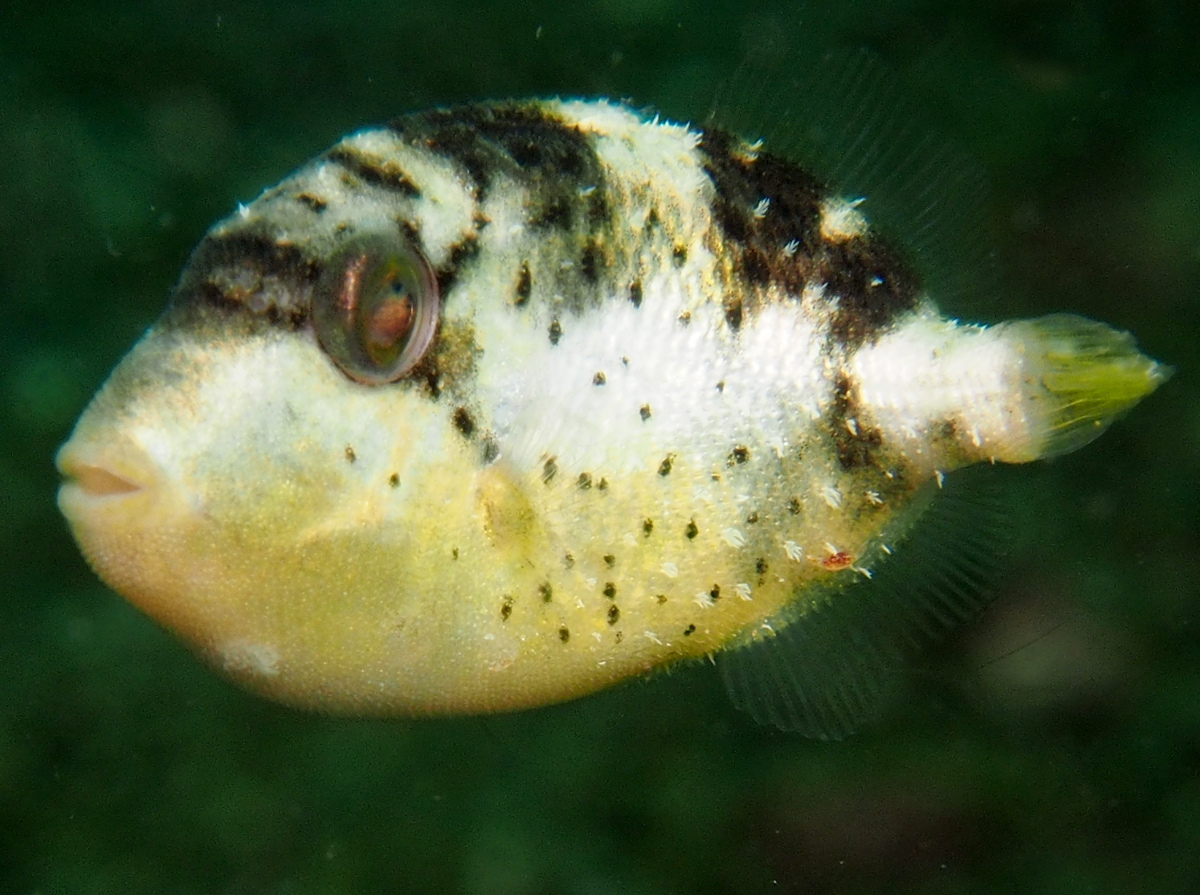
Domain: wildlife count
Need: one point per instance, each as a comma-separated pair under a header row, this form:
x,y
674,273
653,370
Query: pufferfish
x,y
498,405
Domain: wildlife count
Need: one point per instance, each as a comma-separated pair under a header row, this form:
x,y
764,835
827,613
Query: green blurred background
x,y
1052,747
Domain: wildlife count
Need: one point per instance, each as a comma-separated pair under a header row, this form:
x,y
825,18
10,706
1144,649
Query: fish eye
x,y
375,308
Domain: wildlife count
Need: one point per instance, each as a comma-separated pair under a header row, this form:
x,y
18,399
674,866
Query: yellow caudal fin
x,y
1080,376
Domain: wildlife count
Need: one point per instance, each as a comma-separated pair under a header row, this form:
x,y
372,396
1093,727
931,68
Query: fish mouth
x,y
97,477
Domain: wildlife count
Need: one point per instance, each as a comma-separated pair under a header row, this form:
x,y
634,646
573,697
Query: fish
x,y
498,405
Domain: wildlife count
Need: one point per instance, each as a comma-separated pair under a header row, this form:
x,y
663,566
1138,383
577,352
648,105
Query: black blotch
x,y
644,411
563,634
394,480
506,609
721,387
752,518
610,590
661,598
647,526
454,553
590,261
794,506
461,255
545,592
556,214
739,454
602,485
599,378
568,560
870,282
555,331
610,560
463,422
679,254
760,566
733,313
614,614
350,455
715,593
524,140
692,530
652,219
368,171
689,630
316,203
635,293
664,468
549,469
524,284
584,482
855,448
225,271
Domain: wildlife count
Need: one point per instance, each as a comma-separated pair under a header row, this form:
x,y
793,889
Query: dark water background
x,y
1053,747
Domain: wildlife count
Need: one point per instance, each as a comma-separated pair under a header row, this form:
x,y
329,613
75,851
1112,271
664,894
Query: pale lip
x,y
95,475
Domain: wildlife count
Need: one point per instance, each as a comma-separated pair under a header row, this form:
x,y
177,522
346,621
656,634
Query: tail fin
x,y
1080,376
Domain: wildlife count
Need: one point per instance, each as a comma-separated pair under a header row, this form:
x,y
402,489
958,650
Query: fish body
x,y
498,405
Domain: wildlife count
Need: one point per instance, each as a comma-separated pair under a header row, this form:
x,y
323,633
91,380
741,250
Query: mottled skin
x,y
674,386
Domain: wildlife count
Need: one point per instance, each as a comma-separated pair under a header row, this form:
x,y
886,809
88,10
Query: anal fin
x,y
828,671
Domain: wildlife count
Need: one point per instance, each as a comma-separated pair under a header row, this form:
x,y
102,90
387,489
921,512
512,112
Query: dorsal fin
x,y
826,672
844,117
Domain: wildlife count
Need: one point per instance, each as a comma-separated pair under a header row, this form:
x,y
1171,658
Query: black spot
x,y
549,469
463,422
394,480
610,590
610,560
715,593
545,592
524,284
569,560
370,171
739,454
647,526
614,614
752,518
602,485
794,506
679,254
635,293
760,566
563,634
661,598
652,219
664,468
555,331
584,482
644,411
350,455
684,318
491,450
721,387
689,630
599,378
454,553
506,609
691,531
316,203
